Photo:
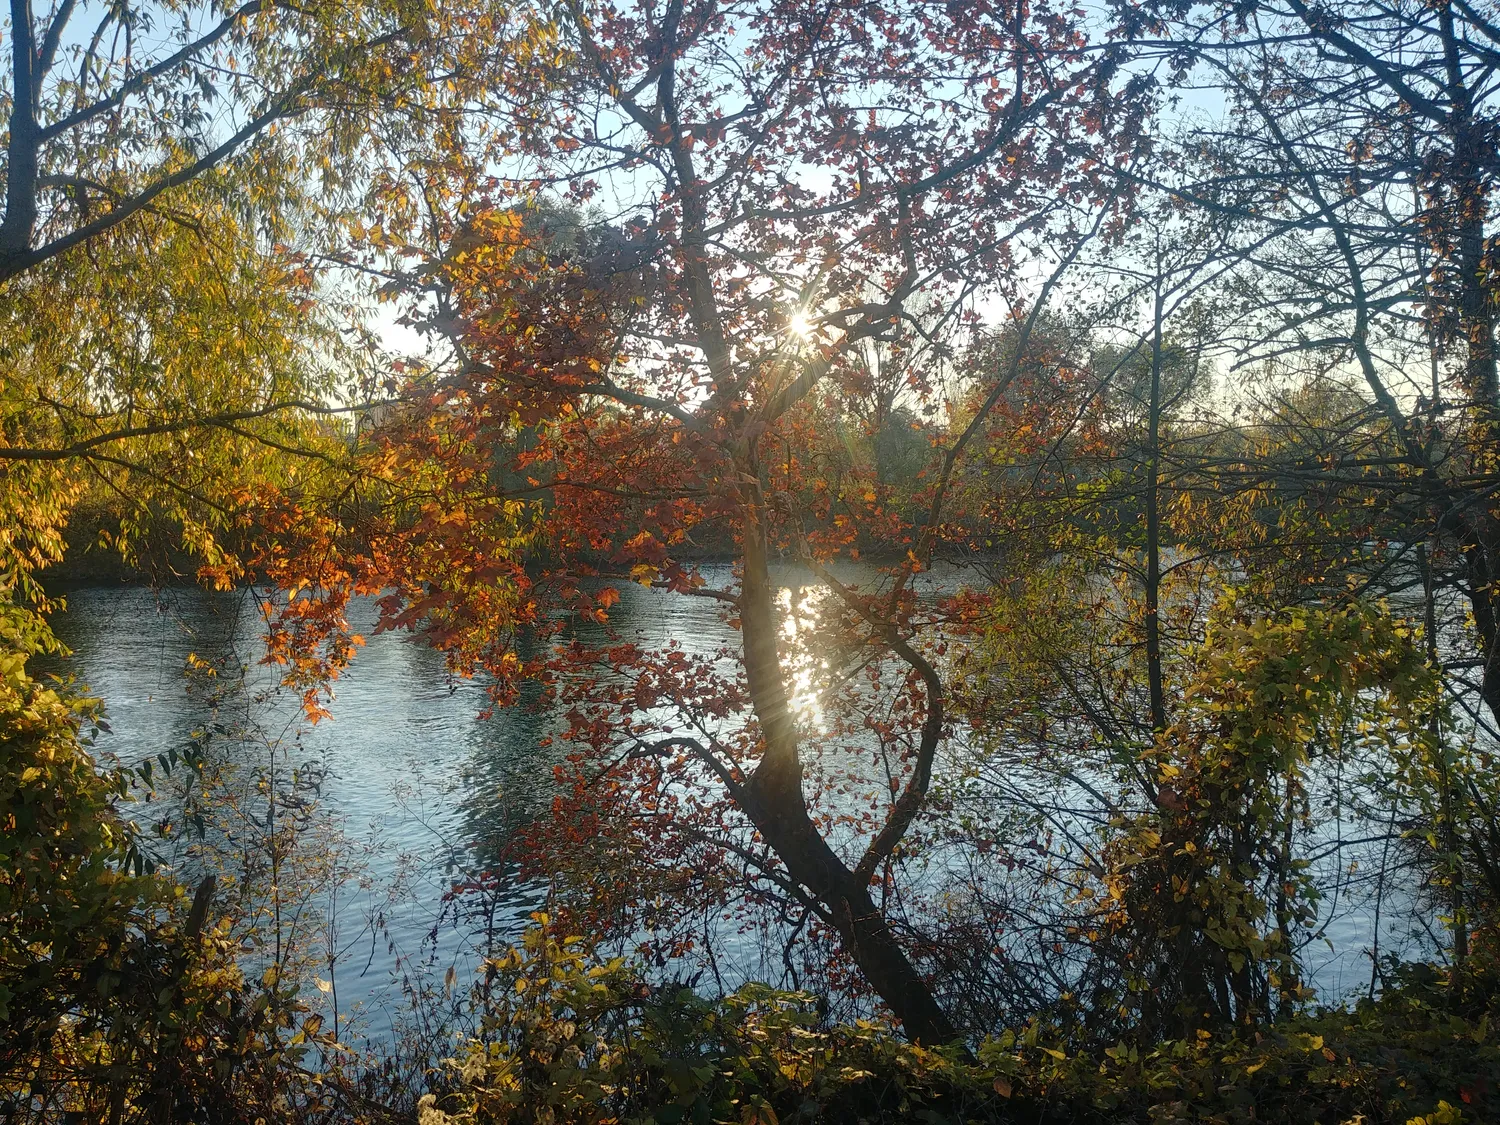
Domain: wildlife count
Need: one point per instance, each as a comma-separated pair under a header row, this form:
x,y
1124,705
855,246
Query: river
x,y
411,786
414,789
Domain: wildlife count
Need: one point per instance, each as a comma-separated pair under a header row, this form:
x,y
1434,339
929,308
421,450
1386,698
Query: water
x,y
420,789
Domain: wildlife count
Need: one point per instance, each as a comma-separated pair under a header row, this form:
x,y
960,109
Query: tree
x,y
111,112
788,179
172,175
1358,169
120,358
1389,230
1208,883
168,164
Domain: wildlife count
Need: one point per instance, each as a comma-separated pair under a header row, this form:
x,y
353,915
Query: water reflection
x,y
428,792
807,659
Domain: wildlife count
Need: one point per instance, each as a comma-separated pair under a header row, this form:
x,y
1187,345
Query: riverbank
x,y
1421,1054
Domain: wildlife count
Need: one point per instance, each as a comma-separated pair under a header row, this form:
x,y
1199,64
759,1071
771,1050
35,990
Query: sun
x,y
800,325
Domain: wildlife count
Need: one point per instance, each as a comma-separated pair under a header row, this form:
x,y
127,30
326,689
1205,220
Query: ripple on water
x,y
420,784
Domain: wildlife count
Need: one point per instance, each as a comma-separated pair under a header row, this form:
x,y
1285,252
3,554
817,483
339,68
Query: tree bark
x,y
1153,531
25,139
772,798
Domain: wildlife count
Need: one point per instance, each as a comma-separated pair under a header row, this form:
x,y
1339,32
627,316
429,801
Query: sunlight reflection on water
x,y
806,660
426,789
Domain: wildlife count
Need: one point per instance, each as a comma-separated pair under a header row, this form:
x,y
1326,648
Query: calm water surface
x,y
418,784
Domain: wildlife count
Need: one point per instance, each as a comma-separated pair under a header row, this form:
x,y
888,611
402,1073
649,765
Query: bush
x,y
120,1001
574,1040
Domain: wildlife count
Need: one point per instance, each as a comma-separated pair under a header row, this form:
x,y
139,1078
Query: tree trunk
x,y
1481,554
1471,153
781,816
1153,533
772,799
21,173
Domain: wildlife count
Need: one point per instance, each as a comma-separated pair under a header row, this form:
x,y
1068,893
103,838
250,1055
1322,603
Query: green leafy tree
x,y
1210,885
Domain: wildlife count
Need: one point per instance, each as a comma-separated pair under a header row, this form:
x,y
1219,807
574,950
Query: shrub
x,y
572,1039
